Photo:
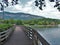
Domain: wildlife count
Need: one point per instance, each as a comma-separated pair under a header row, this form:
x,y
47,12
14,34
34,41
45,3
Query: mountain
x,y
23,16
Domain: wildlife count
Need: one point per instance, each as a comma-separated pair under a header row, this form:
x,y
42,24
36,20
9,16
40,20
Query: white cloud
x,y
29,7
14,8
49,11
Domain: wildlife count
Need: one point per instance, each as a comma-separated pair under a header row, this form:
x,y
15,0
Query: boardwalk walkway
x,y
18,38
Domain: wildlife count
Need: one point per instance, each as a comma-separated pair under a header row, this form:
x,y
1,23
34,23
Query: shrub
x,y
4,27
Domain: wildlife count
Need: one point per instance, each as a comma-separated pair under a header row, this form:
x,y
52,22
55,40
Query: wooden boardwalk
x,y
18,38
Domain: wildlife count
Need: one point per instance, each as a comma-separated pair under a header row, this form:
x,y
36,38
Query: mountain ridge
x,y
21,15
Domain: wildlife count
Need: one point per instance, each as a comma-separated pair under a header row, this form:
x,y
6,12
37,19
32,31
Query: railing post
x,y
39,43
30,34
35,39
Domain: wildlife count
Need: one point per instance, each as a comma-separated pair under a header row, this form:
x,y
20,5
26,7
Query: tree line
x,y
42,21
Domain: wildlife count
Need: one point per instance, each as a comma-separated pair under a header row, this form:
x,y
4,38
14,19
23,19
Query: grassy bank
x,y
41,26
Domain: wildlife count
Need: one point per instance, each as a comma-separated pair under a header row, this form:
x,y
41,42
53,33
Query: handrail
x,y
35,36
5,35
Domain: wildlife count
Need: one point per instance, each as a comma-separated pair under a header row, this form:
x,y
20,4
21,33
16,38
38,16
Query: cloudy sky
x,y
28,6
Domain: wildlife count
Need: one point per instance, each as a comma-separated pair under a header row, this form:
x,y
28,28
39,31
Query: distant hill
x,y
23,16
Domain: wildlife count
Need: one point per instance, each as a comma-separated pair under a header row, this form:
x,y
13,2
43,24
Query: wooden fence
x,y
5,35
36,38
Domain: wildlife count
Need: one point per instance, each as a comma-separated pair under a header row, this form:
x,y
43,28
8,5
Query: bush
x,y
4,27
19,22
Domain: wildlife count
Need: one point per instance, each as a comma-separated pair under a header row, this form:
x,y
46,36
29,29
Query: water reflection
x,y
52,35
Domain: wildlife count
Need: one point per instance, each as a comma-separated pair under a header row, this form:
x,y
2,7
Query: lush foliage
x,y
11,21
4,27
42,21
5,24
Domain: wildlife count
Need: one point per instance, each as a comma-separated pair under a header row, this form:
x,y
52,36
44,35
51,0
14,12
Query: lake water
x,y
52,35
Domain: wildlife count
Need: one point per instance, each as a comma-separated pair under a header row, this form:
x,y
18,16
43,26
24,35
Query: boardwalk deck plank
x,y
18,38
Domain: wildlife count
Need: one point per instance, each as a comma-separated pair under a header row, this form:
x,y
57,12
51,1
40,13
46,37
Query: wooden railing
x,y
36,38
5,35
